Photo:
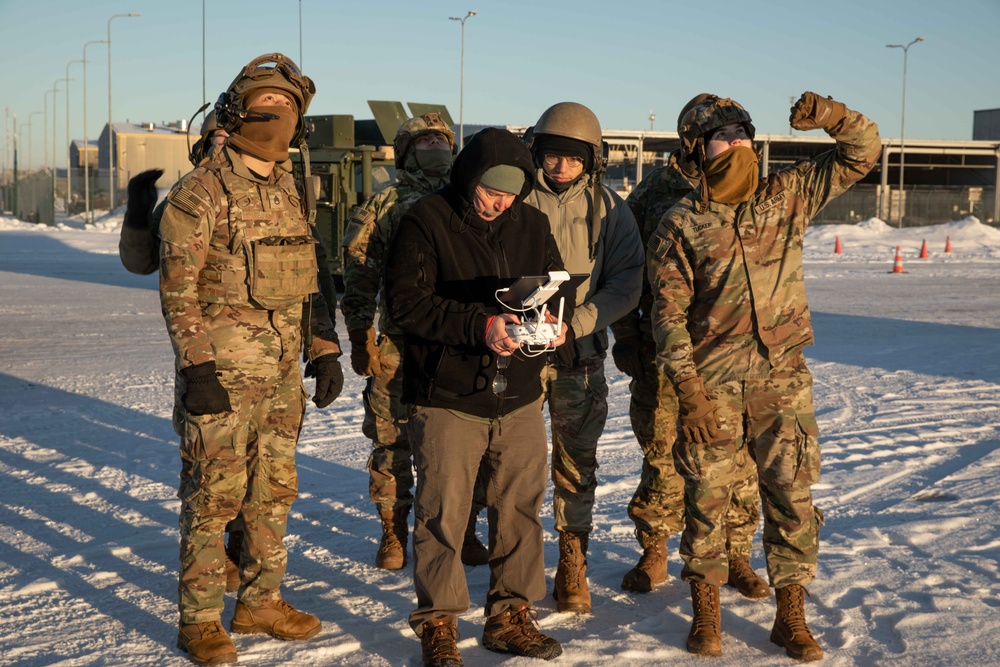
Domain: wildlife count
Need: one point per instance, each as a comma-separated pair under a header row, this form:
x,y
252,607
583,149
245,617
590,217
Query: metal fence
x,y
921,205
31,198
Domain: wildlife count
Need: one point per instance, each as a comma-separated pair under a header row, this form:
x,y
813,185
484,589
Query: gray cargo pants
x,y
447,450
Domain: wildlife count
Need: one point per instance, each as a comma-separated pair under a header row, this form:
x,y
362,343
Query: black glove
x,y
567,351
141,198
329,380
627,359
813,112
205,395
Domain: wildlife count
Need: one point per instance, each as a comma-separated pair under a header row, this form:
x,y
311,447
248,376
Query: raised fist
x,y
813,112
141,198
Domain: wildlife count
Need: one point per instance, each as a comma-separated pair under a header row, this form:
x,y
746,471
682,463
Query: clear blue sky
x,y
621,58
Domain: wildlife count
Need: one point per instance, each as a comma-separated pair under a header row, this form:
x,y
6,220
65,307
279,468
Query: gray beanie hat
x,y
503,177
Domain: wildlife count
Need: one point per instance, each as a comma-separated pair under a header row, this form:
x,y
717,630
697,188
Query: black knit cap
x,y
562,146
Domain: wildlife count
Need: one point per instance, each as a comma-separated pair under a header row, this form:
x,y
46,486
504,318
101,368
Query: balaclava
x,y
733,175
562,146
433,163
266,139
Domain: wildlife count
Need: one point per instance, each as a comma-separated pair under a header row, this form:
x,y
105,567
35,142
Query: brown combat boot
x,y
743,578
651,570
705,637
514,631
790,629
395,531
473,551
233,549
206,643
439,643
278,619
571,592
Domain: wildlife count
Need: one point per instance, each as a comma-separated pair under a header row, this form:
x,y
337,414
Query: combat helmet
x,y
572,121
271,70
703,118
414,128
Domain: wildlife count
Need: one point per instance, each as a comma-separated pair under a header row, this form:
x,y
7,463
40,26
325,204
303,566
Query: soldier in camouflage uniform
x,y
424,148
657,507
237,262
730,319
597,236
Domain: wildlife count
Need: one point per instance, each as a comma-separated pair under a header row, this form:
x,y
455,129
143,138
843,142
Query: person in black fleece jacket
x,y
473,393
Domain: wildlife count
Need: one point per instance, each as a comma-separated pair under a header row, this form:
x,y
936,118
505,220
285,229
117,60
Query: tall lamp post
x,y
461,89
55,89
111,141
902,122
86,143
69,143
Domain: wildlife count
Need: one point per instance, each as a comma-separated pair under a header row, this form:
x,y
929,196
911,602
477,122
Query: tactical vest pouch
x,y
283,270
223,279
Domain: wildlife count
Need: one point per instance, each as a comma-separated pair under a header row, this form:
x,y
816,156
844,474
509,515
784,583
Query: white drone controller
x,y
536,332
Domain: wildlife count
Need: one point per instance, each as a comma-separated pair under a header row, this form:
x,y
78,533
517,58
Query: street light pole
x,y
461,89
55,89
111,141
69,142
86,142
902,123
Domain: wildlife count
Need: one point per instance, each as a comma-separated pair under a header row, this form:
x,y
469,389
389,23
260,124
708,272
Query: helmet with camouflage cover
x,y
274,71
414,128
570,120
704,117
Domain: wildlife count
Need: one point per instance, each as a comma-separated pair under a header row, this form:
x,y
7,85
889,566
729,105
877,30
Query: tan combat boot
x,y
790,629
233,549
439,643
705,637
473,551
206,643
651,570
571,592
743,578
395,531
514,631
278,619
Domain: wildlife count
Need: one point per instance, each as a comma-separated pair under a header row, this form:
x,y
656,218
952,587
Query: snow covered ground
x,y
907,370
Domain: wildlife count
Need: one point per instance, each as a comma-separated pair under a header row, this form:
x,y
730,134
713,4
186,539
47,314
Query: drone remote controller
x,y
534,333
537,332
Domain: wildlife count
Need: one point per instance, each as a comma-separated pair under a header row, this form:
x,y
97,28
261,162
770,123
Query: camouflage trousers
x,y
657,507
390,466
578,410
774,421
239,463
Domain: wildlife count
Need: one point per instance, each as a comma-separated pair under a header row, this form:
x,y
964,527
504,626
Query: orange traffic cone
x,y
897,265
947,246
837,250
923,251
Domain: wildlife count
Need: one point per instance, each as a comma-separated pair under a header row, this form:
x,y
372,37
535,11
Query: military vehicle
x,y
349,160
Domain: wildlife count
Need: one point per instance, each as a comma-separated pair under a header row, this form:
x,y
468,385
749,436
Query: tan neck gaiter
x,y
733,176
266,139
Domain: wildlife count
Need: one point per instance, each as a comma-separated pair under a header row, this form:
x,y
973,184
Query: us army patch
x,y
771,202
658,246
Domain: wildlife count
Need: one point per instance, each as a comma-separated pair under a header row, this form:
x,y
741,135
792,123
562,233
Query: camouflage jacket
x,y
729,296
615,280
366,240
659,190
212,261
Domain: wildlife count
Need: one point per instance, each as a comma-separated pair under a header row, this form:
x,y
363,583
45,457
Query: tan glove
x,y
365,359
698,412
813,112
